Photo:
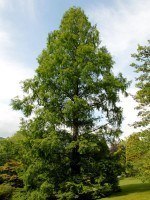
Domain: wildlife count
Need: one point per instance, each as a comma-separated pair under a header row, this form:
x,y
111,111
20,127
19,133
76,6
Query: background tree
x,y
142,67
11,155
132,154
118,150
73,80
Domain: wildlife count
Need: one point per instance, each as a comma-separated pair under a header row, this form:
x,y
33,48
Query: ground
x,y
132,189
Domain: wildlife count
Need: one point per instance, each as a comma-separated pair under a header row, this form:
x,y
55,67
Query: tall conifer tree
x,y
74,79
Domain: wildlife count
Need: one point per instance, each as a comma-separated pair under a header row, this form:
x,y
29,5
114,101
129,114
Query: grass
x,y
132,189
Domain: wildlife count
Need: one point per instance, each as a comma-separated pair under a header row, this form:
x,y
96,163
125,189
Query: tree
x,y
118,150
142,67
11,153
132,154
8,174
73,80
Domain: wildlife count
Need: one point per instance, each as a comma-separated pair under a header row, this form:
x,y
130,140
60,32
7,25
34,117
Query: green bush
x,y
19,194
83,188
5,191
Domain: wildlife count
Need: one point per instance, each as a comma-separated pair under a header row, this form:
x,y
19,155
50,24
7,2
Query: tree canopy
x,y
142,68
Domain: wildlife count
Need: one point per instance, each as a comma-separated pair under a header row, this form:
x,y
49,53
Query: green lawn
x,y
132,189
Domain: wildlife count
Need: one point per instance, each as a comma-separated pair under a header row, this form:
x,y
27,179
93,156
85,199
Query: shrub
x,y
5,191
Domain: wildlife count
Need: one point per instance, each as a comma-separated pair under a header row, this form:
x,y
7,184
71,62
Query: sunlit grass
x,y
132,189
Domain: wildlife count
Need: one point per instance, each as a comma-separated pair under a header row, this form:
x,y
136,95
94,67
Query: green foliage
x,y
137,155
11,148
74,78
11,151
48,173
8,173
142,67
5,191
6,150
140,146
79,190
62,156
132,155
118,150
19,194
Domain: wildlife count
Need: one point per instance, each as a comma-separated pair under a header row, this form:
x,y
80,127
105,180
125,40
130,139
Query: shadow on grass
x,y
133,188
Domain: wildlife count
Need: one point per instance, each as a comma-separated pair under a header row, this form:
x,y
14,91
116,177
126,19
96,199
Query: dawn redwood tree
x,y
74,79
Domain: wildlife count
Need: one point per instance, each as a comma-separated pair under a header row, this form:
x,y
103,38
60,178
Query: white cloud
x,y
12,71
2,4
129,112
4,38
9,120
123,26
27,7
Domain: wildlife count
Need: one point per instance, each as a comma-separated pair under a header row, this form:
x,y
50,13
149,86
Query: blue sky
x,y
25,24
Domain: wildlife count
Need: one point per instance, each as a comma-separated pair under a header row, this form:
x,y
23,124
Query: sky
x,y
24,27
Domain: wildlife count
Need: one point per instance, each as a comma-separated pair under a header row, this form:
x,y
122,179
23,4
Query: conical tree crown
x,y
76,25
74,78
